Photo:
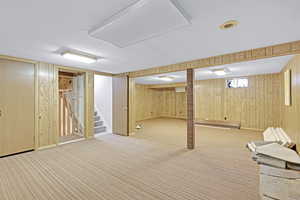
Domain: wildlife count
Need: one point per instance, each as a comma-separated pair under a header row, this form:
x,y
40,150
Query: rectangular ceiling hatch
x,y
141,21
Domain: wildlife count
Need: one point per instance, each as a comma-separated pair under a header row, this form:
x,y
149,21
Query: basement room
x,y
149,100
237,101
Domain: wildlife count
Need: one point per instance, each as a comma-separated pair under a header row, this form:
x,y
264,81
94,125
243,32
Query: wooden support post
x,y
190,109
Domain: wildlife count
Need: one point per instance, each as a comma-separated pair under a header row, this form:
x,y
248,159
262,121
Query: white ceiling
x,y
39,29
264,66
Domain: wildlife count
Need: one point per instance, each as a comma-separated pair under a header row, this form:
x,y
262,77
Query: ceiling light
x,y
221,72
79,57
229,24
166,78
141,21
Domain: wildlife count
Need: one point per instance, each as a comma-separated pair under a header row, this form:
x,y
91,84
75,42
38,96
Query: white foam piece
x,y
269,135
277,135
277,151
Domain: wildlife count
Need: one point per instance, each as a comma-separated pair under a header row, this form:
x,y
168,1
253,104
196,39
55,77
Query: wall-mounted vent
x,y
144,20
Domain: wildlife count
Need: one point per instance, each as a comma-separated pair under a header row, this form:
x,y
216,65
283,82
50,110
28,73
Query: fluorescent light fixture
x,y
79,57
221,72
166,78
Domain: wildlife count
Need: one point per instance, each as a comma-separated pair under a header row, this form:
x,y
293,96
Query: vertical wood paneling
x,y
256,107
17,106
47,104
291,118
89,104
147,102
131,106
120,105
237,57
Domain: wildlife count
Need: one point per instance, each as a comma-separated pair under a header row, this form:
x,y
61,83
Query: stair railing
x,y
69,123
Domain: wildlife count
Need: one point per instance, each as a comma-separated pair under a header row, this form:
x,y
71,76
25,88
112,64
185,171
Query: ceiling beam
x,y
284,49
170,85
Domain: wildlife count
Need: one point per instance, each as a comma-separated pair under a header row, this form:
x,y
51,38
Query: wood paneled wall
x,y
291,114
147,102
256,107
89,105
289,48
47,88
154,103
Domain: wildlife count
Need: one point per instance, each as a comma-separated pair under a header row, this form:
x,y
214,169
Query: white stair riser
x,y
100,129
98,123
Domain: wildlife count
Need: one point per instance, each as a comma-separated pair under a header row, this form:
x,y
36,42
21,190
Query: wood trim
x,y
103,73
163,86
65,68
89,105
289,48
56,103
17,59
36,107
78,69
47,147
190,109
131,106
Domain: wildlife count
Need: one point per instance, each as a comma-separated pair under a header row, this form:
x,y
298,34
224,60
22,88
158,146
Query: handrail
x,y
69,121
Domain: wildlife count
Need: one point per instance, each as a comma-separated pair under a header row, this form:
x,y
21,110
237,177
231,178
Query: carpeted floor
x,y
153,164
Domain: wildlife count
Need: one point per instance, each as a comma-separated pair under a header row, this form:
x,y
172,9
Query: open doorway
x,y
102,105
71,106
161,107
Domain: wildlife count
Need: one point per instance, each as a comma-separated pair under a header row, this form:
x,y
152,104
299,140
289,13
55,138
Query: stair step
x,y
97,118
98,123
100,129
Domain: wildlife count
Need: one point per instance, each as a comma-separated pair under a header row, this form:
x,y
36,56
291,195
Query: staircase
x,y
99,125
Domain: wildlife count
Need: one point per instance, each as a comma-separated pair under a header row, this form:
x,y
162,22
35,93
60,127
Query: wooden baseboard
x,y
46,147
219,123
252,129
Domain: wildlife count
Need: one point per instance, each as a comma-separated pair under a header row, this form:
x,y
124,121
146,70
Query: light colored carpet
x,y
68,138
153,164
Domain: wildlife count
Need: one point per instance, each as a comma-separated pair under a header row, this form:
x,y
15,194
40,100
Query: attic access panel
x,y
141,21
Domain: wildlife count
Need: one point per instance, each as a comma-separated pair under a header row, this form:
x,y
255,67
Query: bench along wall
x,y
256,107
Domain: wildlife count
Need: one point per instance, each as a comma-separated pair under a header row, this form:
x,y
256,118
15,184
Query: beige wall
x,y
256,107
46,106
154,103
47,89
291,114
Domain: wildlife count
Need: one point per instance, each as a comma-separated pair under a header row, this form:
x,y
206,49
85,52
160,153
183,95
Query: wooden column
x,y
190,109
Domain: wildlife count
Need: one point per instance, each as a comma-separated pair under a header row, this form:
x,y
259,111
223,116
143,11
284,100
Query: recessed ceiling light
x,y
221,72
229,24
79,57
166,78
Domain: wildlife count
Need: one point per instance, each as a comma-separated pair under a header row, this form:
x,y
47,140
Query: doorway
x,y
71,106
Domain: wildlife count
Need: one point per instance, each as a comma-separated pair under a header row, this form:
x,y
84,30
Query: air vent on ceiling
x,y
144,20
